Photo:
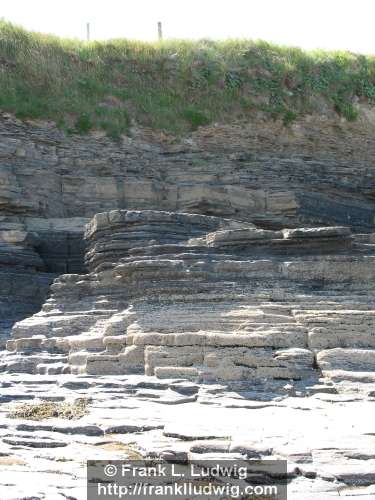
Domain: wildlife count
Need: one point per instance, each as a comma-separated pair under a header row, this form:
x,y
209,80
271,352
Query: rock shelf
x,y
207,299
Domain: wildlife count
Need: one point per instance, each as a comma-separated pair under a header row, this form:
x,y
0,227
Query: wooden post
x,y
160,31
88,31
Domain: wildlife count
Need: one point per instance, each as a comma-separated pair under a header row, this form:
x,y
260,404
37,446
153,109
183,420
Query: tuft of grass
x,y
43,411
172,85
289,117
346,109
83,123
195,117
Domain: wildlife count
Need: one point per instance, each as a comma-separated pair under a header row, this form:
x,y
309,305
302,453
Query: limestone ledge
x,y
206,298
261,173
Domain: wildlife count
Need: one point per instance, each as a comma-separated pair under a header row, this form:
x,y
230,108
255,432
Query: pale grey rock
x,y
240,236
31,442
156,304
347,359
317,232
329,450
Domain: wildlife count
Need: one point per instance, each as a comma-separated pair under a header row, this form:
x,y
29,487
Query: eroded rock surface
x,y
23,278
316,172
330,451
207,299
245,330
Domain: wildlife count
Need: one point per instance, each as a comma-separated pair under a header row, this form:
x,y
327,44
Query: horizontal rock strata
x,y
207,298
316,172
23,278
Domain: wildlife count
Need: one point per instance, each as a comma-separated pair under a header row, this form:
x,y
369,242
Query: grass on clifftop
x,y
174,85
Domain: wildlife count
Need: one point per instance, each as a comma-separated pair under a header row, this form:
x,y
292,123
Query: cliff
x,y
186,260
316,172
207,298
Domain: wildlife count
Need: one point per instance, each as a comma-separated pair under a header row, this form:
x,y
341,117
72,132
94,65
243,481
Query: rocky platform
x,y
328,439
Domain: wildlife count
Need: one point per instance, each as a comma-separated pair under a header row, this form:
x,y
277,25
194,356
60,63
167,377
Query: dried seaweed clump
x,y
42,411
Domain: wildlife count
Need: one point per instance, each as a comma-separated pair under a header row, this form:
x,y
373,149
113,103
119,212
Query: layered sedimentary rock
x,y
207,298
24,282
316,172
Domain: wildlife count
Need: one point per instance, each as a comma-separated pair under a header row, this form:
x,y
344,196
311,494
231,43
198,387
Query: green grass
x,y
176,85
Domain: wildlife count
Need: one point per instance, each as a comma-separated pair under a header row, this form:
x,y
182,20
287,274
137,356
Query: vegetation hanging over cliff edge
x,y
173,85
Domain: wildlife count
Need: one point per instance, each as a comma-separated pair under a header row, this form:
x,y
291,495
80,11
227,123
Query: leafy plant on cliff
x,y
173,85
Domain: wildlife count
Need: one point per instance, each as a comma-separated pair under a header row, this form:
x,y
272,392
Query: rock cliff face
x,y
23,277
317,172
208,299
314,172
199,290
